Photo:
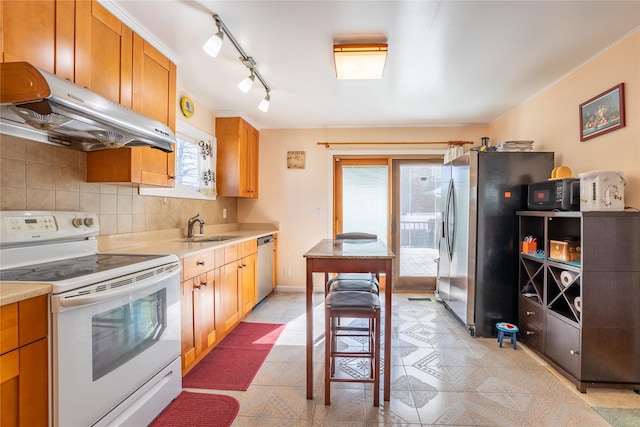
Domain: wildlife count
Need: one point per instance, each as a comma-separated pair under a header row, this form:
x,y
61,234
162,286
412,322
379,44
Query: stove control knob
x,y
89,222
77,222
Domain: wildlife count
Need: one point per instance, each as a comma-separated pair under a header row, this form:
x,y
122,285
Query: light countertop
x,y
160,242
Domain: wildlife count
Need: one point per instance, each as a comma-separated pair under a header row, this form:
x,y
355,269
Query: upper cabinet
x,y
104,46
83,42
154,95
45,39
237,162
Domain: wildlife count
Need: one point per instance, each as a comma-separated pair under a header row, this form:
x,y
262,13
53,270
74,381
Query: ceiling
x,y
449,62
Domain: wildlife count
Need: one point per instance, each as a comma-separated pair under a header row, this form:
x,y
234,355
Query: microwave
x,y
558,194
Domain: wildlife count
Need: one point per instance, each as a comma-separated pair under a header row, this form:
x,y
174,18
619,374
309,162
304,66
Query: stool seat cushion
x,y
353,285
352,300
507,327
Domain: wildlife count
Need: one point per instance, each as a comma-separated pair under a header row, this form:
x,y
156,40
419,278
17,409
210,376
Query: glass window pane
x,y
420,211
365,200
186,164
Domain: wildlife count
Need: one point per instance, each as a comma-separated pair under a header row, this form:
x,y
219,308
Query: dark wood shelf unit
x,y
595,343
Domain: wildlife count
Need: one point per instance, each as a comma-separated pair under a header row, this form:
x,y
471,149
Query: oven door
x,y
110,339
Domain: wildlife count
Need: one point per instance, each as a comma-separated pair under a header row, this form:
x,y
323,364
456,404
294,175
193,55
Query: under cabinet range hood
x,y
38,105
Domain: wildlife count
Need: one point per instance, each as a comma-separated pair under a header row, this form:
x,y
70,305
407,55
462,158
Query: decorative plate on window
x,y
187,106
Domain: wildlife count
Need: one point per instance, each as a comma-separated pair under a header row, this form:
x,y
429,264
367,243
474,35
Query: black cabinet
x,y
579,297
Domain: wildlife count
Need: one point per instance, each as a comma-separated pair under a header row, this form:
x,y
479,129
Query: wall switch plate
x,y
287,271
224,213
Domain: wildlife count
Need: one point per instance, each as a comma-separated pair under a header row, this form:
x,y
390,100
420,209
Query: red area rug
x,y
198,410
234,362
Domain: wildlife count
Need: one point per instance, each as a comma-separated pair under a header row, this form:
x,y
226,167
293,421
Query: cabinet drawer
x,y
195,265
8,327
231,253
563,344
531,323
249,247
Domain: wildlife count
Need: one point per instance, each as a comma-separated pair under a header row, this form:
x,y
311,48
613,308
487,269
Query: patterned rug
x,y
620,417
233,363
198,410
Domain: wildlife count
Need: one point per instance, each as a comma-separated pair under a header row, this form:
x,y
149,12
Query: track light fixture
x,y
247,83
212,47
264,104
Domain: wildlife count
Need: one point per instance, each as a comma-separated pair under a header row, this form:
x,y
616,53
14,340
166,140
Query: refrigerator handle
x,y
448,225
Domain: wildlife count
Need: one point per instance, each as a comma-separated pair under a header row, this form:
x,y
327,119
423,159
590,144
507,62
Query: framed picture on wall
x,y
603,113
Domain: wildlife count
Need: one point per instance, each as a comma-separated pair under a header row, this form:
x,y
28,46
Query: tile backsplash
x,y
39,176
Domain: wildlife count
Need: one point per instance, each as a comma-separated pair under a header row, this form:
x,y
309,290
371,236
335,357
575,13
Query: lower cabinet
x,y
24,358
227,299
218,289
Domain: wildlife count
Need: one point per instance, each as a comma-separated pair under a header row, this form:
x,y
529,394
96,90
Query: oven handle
x,y
113,293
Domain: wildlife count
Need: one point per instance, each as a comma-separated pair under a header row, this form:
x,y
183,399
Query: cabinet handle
x,y
529,313
203,284
200,263
530,333
574,352
244,265
196,286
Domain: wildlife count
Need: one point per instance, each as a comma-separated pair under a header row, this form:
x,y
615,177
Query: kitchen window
x,y
195,166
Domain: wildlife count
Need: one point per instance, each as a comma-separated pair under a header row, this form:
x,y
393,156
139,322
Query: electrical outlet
x,y
287,271
224,213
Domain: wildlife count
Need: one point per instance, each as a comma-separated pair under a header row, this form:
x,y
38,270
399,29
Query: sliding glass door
x,y
398,200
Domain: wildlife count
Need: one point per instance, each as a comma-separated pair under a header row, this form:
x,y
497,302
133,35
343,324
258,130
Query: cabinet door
x,y
204,314
103,61
188,350
249,283
237,162
227,302
44,39
562,343
34,384
154,95
251,164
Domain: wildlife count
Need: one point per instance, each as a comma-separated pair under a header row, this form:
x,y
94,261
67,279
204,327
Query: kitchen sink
x,y
212,238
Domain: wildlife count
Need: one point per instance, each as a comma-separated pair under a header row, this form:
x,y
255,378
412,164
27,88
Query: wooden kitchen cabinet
x,y
582,316
237,162
247,275
44,39
24,384
104,59
227,300
154,92
199,277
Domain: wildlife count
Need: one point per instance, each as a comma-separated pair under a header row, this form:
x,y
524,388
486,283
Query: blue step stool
x,y
507,330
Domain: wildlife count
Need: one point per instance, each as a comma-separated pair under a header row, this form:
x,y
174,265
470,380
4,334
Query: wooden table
x,y
350,256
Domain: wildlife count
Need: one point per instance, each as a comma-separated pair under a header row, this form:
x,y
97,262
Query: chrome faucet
x,y
192,222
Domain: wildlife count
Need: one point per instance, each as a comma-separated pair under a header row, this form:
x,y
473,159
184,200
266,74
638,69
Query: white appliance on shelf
x,y
601,191
114,318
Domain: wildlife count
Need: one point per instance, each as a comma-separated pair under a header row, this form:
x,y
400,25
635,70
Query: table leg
x,y
309,330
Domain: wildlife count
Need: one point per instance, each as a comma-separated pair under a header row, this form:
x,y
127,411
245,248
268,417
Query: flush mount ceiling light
x,y
212,47
359,61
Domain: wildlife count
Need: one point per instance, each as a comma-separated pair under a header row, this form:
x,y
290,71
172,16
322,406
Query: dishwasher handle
x,y
265,239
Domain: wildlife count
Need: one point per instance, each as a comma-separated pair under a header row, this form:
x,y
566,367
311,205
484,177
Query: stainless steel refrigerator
x,y
479,243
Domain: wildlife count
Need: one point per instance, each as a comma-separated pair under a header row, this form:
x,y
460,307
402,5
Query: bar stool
x,y
352,304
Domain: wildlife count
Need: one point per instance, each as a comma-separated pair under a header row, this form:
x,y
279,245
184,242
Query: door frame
x,y
365,157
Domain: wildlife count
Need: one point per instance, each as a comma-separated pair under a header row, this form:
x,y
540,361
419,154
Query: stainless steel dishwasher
x,y
265,266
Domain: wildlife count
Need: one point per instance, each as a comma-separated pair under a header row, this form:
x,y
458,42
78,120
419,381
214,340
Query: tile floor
x,y
440,376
